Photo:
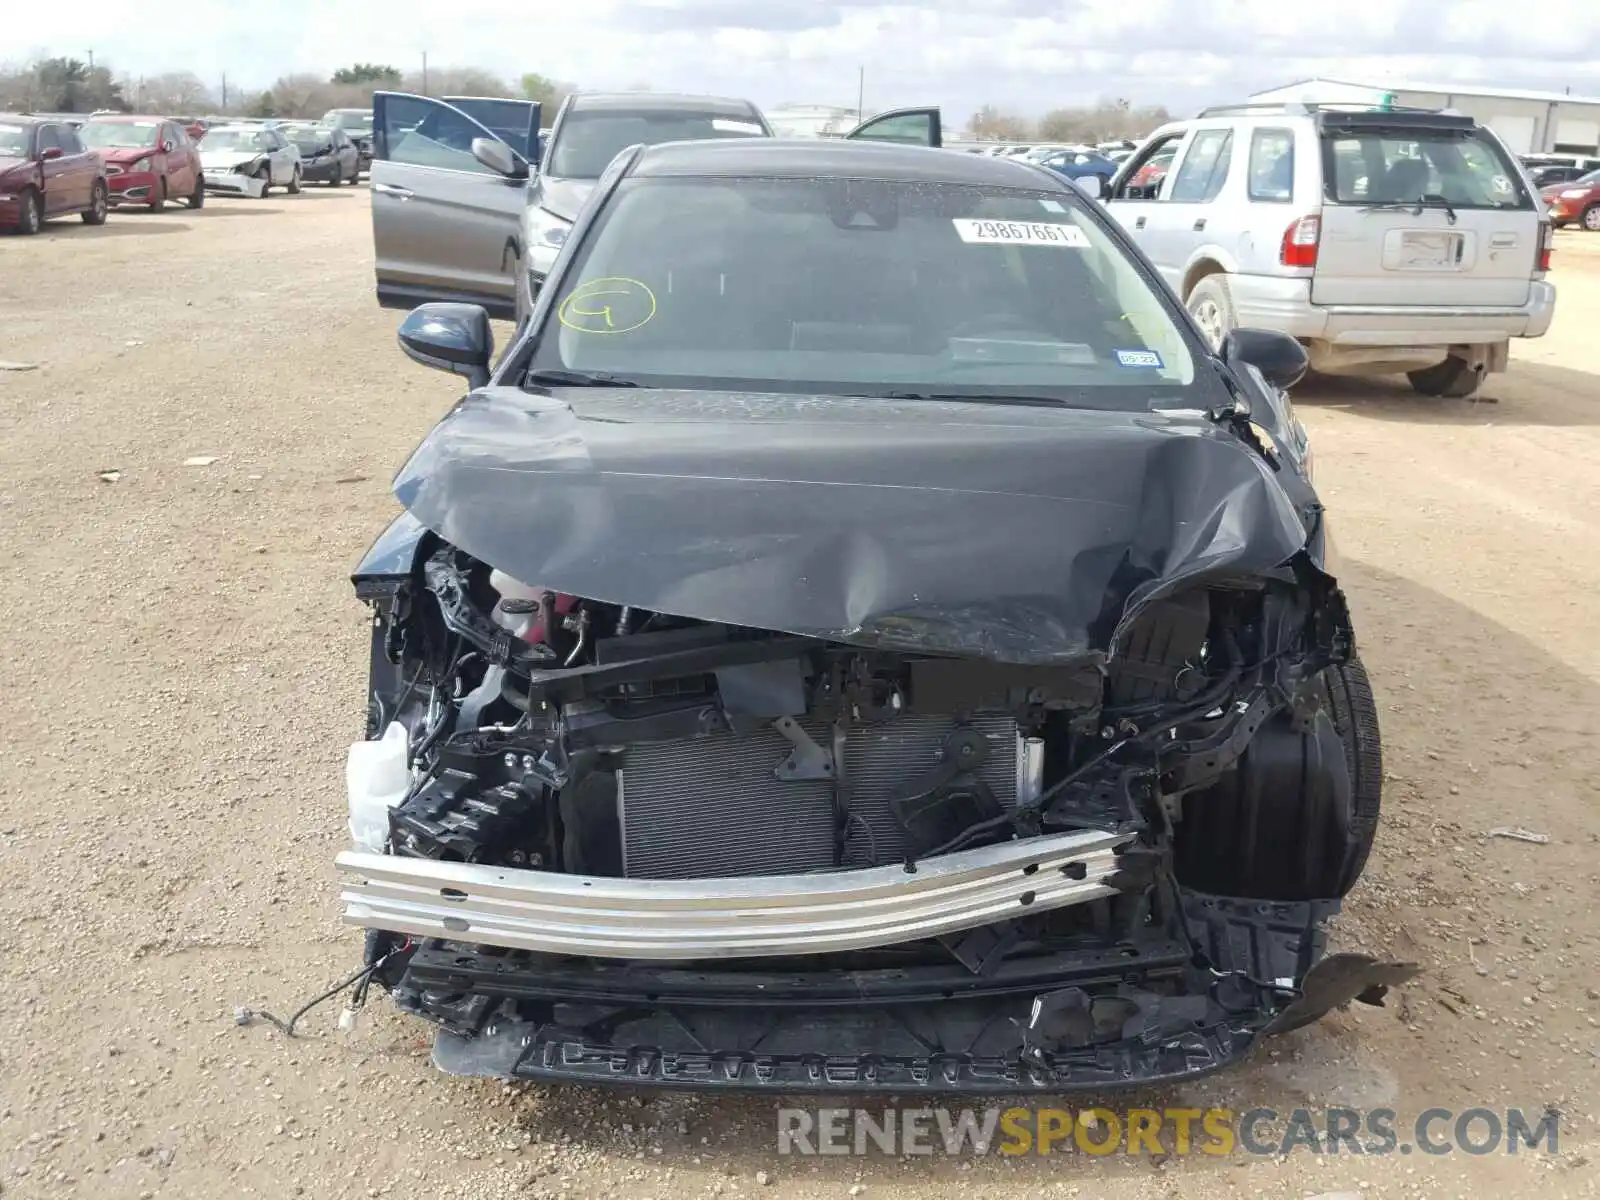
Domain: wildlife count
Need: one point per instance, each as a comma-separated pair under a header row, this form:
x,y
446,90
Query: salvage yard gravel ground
x,y
184,668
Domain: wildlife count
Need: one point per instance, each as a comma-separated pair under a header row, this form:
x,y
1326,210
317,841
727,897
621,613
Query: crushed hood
x,y
564,197
1011,533
126,154
226,160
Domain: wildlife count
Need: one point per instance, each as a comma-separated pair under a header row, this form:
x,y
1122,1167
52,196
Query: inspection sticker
x,y
1138,358
1019,233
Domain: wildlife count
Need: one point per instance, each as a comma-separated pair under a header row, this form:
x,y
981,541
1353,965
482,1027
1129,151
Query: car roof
x,y
127,118
240,128
20,119
662,102
840,158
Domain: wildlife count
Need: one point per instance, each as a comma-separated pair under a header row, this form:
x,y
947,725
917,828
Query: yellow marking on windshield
x,y
610,304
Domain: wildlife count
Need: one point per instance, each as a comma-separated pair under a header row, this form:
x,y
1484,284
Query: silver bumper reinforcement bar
x,y
759,916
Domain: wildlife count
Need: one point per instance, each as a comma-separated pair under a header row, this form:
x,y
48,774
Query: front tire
x,y
1210,303
294,183
264,173
1451,378
1591,218
31,218
158,198
99,205
197,198
1240,838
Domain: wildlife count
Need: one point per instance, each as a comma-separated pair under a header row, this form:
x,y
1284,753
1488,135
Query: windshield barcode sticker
x,y
1138,358
1019,233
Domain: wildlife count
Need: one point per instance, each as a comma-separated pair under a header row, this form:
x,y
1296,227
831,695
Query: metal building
x,y
1528,122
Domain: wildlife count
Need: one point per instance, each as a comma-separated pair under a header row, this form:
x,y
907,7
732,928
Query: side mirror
x,y
168,147
50,152
497,156
450,337
1281,360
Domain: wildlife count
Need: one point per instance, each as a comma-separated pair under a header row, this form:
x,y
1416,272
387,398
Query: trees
x,y
458,81
60,85
548,92
1106,121
991,122
367,73
176,92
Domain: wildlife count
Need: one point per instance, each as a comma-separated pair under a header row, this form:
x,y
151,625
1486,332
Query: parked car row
x,y
55,165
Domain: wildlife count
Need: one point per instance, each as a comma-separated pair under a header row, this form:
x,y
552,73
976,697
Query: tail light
x,y
1299,247
1547,240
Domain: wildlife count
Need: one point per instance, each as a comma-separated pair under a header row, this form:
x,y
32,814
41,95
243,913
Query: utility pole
x,y
424,72
861,92
91,60
224,91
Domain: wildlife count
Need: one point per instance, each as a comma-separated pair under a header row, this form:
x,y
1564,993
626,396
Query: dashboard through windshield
x,y
862,287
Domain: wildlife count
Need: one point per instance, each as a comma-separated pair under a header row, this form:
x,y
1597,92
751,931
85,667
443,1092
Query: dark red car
x,y
1575,202
45,172
149,160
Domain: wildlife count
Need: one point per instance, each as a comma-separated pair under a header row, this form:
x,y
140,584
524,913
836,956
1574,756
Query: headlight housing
x,y
1574,193
138,165
546,234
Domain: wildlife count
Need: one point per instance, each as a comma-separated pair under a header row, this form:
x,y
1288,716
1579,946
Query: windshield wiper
x,y
1415,207
564,378
1433,199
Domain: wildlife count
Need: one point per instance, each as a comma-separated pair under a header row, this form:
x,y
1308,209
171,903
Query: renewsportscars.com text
x,y
1212,1131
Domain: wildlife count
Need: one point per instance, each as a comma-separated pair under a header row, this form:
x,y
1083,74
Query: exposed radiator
x,y
713,806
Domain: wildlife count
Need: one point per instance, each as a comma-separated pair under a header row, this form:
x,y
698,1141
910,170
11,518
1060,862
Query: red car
x,y
1576,202
45,172
149,160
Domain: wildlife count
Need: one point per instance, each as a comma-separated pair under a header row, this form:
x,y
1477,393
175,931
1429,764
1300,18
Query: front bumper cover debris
x,y
1170,1006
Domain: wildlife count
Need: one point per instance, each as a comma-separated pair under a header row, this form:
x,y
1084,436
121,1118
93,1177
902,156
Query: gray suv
x,y
463,208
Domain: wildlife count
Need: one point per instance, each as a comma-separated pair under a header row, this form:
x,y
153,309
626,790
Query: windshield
x,y
588,141
1461,167
863,287
1592,178
118,135
353,121
306,136
14,141
234,139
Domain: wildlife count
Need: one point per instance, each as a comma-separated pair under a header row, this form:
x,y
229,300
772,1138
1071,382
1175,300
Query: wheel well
x,y
1206,266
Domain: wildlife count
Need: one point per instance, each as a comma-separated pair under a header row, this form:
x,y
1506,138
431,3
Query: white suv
x,y
1385,240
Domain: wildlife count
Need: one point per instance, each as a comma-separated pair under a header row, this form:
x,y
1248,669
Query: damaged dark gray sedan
x,y
857,638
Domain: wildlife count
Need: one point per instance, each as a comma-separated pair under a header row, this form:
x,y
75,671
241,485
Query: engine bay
x,y
558,733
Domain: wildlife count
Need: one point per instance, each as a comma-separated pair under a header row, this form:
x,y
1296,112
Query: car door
x,y
1189,216
285,157
349,156
85,165
180,174
907,126
1137,192
56,172
514,122
444,225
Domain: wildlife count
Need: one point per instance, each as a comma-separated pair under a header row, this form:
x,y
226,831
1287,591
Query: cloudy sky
x,y
1023,55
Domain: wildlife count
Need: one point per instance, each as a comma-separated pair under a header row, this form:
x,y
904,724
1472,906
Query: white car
x,y
249,160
